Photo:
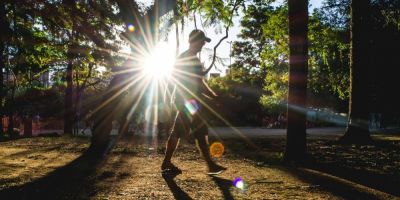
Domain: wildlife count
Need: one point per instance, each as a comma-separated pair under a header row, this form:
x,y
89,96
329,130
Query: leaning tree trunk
x,y
357,130
298,69
112,100
113,103
104,115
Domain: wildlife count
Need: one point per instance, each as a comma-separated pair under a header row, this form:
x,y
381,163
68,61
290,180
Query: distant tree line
x,y
342,56
261,61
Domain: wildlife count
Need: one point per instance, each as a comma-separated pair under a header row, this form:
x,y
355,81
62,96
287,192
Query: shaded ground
x,y
376,165
55,168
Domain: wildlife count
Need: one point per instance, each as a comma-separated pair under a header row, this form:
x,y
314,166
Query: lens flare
x,y
238,183
217,149
192,106
131,28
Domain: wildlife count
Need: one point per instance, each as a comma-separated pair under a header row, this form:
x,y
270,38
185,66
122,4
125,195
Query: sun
x,y
159,63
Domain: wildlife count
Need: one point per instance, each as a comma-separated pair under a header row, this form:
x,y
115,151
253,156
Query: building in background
x,y
45,79
215,75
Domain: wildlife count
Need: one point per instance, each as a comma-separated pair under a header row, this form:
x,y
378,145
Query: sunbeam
x,y
159,63
212,111
154,74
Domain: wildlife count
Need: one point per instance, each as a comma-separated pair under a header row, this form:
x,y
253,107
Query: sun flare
x,y
159,63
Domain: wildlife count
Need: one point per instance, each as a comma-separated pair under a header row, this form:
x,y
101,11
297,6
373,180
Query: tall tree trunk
x,y
2,96
298,69
357,130
68,115
77,110
71,55
10,128
3,38
11,113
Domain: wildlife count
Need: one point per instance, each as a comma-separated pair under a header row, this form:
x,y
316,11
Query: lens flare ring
x,y
131,28
239,183
192,106
217,149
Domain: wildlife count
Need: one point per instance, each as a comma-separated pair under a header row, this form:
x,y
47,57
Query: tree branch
x,y
235,5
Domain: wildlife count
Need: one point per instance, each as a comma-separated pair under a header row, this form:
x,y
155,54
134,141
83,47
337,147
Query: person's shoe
x,y
217,169
170,169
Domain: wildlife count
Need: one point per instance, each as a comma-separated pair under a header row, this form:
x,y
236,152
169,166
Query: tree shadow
x,y
31,151
76,180
335,185
361,173
18,137
14,138
382,182
224,185
175,189
333,176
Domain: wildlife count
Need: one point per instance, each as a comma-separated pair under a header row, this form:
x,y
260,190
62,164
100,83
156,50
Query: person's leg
x,y
111,142
177,129
200,131
172,143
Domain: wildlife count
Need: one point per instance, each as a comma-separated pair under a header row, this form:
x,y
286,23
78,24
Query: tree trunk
x,y
3,38
114,104
102,126
2,96
71,55
77,109
11,108
68,115
357,130
10,128
298,69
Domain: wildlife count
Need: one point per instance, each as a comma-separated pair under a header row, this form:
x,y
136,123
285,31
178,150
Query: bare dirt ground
x,y
57,168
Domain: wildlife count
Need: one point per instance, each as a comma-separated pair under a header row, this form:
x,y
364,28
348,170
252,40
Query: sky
x,y
223,50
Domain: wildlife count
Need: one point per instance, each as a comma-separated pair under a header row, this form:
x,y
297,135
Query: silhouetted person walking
x,y
188,79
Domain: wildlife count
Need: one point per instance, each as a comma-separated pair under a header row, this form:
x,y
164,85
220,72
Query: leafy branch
x,y
234,8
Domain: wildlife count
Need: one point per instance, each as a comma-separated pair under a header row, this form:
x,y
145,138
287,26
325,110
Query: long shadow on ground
x,y
354,168
14,138
267,154
335,185
72,181
175,189
224,185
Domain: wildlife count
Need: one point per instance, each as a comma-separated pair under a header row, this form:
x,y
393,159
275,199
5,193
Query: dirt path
x,y
260,182
51,168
